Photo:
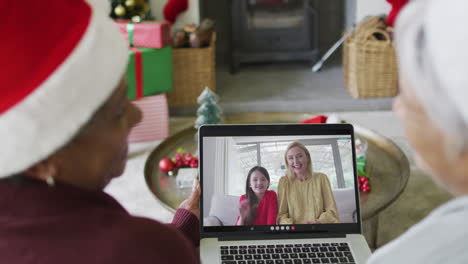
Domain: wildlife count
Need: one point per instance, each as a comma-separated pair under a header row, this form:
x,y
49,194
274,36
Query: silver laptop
x,y
278,229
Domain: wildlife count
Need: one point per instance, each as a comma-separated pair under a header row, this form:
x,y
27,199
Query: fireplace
x,y
273,30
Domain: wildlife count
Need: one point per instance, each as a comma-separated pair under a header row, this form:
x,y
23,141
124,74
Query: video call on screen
x,y
325,196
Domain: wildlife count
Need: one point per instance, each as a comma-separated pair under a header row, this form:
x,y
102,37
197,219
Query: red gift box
x,y
155,122
148,34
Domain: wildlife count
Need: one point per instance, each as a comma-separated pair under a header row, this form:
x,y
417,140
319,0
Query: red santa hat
x,y
59,64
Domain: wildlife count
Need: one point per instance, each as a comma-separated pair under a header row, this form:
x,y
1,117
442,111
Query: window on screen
x,y
330,156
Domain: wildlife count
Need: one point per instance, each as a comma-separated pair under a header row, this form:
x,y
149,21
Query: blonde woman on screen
x,y
305,197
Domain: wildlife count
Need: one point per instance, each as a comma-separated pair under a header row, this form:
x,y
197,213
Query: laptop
x,y
328,232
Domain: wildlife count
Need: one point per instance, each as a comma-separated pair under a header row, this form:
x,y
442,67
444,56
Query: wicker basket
x,y
369,64
194,69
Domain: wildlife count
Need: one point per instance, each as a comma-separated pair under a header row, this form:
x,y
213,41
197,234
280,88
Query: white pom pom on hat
x,y
57,69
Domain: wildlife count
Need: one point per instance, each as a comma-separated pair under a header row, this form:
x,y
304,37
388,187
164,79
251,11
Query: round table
x,y
387,166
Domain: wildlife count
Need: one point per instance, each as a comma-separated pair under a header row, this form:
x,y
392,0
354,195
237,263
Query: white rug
x,y
131,190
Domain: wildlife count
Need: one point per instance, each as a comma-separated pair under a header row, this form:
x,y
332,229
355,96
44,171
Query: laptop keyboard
x,y
287,254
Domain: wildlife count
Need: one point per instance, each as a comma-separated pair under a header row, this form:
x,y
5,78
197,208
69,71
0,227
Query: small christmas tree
x,y
136,10
209,111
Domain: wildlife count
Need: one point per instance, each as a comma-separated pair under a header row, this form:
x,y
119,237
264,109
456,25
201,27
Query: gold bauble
x,y
130,3
119,10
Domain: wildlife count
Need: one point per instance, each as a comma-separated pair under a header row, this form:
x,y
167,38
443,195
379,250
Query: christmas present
x,y
149,72
320,119
155,122
148,34
361,164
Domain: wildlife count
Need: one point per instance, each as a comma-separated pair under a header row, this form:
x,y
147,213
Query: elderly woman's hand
x,y
193,202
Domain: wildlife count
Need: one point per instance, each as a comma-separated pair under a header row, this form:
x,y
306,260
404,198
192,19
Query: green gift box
x,y
149,71
361,164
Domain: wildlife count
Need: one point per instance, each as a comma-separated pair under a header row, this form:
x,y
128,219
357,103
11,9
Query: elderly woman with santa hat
x,y
431,38
64,122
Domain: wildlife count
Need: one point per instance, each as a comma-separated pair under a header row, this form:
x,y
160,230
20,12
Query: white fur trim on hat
x,y
50,117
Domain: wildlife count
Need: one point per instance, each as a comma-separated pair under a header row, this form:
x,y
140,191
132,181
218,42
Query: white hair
x,y
431,39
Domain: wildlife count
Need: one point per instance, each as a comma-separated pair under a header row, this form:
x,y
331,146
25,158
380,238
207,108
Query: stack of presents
x,y
149,76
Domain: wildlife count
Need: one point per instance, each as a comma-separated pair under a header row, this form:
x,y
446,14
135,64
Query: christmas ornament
x,y
119,11
136,10
363,182
130,3
182,159
166,165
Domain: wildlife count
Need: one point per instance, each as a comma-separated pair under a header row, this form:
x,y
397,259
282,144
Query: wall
x,y
371,7
191,15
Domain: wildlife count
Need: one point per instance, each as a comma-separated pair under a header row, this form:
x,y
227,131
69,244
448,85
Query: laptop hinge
x,y
280,236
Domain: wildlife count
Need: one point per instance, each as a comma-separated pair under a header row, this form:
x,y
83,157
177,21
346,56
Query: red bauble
x,y
179,164
166,165
188,159
180,156
194,163
363,184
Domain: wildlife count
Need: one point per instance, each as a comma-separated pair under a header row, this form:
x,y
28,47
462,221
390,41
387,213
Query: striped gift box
x,y
149,34
155,122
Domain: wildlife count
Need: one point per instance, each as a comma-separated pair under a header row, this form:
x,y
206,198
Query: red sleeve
x,y
272,208
188,224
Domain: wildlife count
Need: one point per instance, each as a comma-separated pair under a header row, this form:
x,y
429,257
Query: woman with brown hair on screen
x,y
258,206
305,196
64,122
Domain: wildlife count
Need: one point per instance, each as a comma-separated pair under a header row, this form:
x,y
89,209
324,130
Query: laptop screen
x,y
297,178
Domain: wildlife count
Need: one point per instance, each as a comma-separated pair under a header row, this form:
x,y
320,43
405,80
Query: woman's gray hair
x,y
431,39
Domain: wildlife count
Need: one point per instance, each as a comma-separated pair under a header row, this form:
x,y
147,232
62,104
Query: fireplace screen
x,y
273,30
275,14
